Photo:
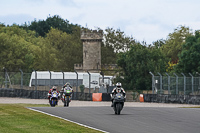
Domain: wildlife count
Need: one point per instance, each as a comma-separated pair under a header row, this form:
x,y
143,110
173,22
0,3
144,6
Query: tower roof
x,y
91,35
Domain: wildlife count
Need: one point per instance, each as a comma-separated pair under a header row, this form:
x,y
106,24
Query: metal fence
x,y
176,84
18,80
19,84
176,88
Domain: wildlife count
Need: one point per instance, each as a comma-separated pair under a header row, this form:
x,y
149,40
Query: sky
x,y
144,20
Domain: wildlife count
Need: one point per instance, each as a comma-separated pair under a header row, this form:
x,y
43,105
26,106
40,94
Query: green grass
x,y
191,107
16,118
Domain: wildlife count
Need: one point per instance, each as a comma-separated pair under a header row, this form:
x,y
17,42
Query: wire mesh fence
x,y
37,84
176,88
179,85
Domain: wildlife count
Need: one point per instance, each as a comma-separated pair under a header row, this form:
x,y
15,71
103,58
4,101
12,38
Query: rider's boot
x,y
112,105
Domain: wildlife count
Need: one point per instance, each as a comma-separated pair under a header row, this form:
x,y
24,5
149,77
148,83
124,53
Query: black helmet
x,y
54,88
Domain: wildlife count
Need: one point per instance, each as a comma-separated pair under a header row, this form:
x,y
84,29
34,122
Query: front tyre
x,y
67,101
118,108
53,103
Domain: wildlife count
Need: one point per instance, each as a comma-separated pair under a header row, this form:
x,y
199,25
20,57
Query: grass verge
x,y
16,118
191,107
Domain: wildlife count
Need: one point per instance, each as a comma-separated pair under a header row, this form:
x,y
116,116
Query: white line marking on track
x,y
69,120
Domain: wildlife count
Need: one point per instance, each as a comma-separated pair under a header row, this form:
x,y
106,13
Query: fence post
x,y
49,79
5,73
21,78
63,76
176,83
76,84
184,82
102,76
35,84
199,81
76,80
192,83
160,82
168,83
89,80
153,83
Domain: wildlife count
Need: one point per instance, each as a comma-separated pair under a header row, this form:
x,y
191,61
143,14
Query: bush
x,y
82,87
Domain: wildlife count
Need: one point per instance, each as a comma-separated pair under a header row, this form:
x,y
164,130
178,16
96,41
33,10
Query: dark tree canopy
x,y
190,55
137,63
42,27
173,45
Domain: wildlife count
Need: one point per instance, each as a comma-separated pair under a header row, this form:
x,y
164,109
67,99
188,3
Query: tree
x,y
137,63
115,41
118,40
20,48
17,48
159,43
108,56
189,57
174,42
42,27
68,49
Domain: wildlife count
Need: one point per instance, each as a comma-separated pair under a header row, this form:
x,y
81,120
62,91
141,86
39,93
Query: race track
x,y
132,119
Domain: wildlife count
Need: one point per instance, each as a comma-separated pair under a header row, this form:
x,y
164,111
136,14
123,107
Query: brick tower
x,y
91,51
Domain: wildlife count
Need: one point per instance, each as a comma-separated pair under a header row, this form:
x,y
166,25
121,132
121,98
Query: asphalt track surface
x,y
132,119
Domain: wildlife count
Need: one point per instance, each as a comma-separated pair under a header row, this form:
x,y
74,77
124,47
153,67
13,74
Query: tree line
x,y
54,44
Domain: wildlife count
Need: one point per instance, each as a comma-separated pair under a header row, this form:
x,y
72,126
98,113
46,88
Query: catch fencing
x,y
176,88
19,84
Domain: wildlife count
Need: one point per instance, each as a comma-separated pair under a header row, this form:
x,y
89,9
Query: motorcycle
x,y
118,103
66,97
53,99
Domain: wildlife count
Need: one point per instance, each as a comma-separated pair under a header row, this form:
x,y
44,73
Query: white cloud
x,y
148,20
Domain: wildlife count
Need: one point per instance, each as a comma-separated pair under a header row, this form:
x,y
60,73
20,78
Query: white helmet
x,y
119,85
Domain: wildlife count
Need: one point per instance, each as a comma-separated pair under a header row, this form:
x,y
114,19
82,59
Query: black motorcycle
x,y
118,103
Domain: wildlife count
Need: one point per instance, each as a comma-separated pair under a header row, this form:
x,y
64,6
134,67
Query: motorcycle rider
x,y
117,89
62,90
54,88
67,85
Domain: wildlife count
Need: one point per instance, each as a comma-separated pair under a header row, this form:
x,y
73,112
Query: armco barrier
x,y
106,97
164,98
82,96
32,94
23,93
101,97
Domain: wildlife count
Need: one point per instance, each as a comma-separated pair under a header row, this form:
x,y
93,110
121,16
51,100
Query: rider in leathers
x,y
117,89
54,88
62,90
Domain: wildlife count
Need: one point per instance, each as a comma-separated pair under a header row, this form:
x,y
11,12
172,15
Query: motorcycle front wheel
x,y
118,108
53,103
64,102
67,101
